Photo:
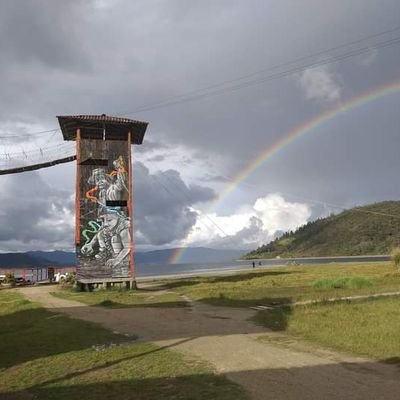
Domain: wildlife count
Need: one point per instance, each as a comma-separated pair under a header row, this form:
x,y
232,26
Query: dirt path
x,y
277,368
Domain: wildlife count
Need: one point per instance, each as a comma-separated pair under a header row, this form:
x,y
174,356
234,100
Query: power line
x,y
324,203
356,208
31,134
173,195
196,94
230,237
191,201
192,96
291,62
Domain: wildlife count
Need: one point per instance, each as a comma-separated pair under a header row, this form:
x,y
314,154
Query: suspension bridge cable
x,y
192,96
34,167
62,146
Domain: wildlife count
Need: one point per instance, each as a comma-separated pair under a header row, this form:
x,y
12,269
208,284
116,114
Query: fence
x,y
36,274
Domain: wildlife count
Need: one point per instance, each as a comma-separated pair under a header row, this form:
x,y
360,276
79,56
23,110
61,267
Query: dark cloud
x,y
157,158
163,205
215,178
77,57
45,32
35,215
246,238
151,146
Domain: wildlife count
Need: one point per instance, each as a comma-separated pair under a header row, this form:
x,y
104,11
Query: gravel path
x,y
279,367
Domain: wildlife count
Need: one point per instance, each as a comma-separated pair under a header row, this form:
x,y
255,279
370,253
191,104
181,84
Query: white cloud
x,y
320,84
193,166
250,226
277,214
35,215
163,205
369,58
105,4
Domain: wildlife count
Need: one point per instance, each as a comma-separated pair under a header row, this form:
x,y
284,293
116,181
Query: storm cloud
x,y
35,215
164,204
200,74
38,215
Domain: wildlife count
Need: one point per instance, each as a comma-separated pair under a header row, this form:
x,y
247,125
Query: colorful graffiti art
x,y
108,186
106,238
110,244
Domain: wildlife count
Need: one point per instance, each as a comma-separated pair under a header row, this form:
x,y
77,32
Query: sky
x,y
220,82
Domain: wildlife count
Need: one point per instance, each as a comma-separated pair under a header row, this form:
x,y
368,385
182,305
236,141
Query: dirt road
x,y
279,367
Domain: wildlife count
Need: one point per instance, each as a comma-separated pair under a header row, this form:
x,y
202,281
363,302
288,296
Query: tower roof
x,y
93,126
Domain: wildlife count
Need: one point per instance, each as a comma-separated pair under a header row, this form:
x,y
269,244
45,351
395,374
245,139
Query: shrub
x,y
395,256
9,279
355,282
107,303
70,280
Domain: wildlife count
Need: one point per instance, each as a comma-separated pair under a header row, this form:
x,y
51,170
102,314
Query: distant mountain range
x,y
63,258
37,259
188,256
368,230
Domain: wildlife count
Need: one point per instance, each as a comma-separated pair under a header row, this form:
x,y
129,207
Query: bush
x,y
395,256
107,303
9,279
70,280
355,282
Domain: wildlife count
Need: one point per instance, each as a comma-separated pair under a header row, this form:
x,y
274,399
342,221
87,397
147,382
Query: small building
x,y
103,199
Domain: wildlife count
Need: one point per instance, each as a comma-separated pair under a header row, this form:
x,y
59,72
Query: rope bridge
x,y
38,150
34,167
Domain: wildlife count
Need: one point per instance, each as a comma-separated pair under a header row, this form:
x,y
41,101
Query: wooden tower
x,y
103,199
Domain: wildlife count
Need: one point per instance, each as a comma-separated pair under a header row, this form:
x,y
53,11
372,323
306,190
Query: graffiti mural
x,y
110,244
108,186
104,249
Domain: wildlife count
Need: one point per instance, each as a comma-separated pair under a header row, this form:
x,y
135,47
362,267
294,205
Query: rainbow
x,y
296,133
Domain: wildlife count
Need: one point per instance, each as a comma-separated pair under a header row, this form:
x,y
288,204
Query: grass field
x,y
368,327
278,285
49,356
116,298
291,284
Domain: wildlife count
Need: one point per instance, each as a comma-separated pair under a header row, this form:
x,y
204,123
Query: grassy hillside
x,y
367,230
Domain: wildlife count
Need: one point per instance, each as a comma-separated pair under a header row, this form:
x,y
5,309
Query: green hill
x,y
369,230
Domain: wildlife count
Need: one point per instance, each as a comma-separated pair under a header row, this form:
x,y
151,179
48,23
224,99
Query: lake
x,y
147,271
154,270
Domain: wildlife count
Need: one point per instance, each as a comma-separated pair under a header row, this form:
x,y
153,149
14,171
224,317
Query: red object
x,y
77,189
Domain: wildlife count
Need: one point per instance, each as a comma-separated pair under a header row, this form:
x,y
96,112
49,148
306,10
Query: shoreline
x,y
314,258
182,271
243,268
